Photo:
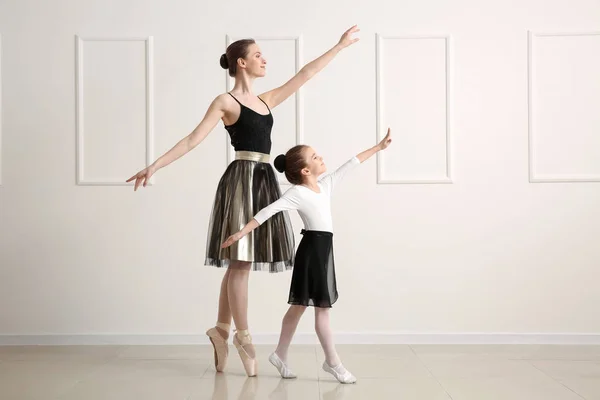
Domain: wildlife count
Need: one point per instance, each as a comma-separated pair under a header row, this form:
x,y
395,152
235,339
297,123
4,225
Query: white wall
x,y
493,251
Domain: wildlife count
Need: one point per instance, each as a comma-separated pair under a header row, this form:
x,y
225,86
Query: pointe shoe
x,y
220,346
239,341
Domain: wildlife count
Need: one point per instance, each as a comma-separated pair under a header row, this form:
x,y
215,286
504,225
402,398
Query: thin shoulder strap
x,y
234,98
264,103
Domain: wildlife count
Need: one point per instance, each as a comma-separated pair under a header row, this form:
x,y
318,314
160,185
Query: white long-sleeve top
x,y
314,208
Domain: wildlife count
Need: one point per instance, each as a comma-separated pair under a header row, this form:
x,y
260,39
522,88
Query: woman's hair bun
x,y
223,61
279,163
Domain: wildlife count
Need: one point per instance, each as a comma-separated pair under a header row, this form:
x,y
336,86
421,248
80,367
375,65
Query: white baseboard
x,y
310,338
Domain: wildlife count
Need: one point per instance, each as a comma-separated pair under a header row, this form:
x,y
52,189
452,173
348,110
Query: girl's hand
x,y
346,39
387,140
231,240
142,177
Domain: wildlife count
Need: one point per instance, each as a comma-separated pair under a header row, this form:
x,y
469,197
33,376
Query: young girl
x,y
313,279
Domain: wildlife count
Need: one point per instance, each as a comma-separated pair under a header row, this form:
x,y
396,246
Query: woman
x,y
248,185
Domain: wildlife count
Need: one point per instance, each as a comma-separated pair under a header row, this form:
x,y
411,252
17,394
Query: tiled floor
x,y
429,372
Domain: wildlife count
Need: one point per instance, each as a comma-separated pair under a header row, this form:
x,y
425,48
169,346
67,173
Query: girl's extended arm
x,y
338,174
365,155
289,201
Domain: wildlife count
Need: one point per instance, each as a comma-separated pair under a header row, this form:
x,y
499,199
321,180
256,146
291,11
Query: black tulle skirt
x,y
313,279
244,189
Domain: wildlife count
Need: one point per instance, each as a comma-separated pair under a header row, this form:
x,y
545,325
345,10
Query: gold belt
x,y
252,156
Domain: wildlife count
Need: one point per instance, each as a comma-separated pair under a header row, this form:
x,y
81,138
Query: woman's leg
x,y
224,313
237,291
220,333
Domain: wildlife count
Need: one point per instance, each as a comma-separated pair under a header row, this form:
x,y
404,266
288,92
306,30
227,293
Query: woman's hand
x,y
387,140
143,177
278,95
346,39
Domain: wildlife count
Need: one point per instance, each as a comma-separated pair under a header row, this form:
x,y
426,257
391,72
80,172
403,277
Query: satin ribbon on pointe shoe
x,y
240,339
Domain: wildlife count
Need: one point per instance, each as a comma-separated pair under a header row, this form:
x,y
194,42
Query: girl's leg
x,y
288,328
332,364
323,329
